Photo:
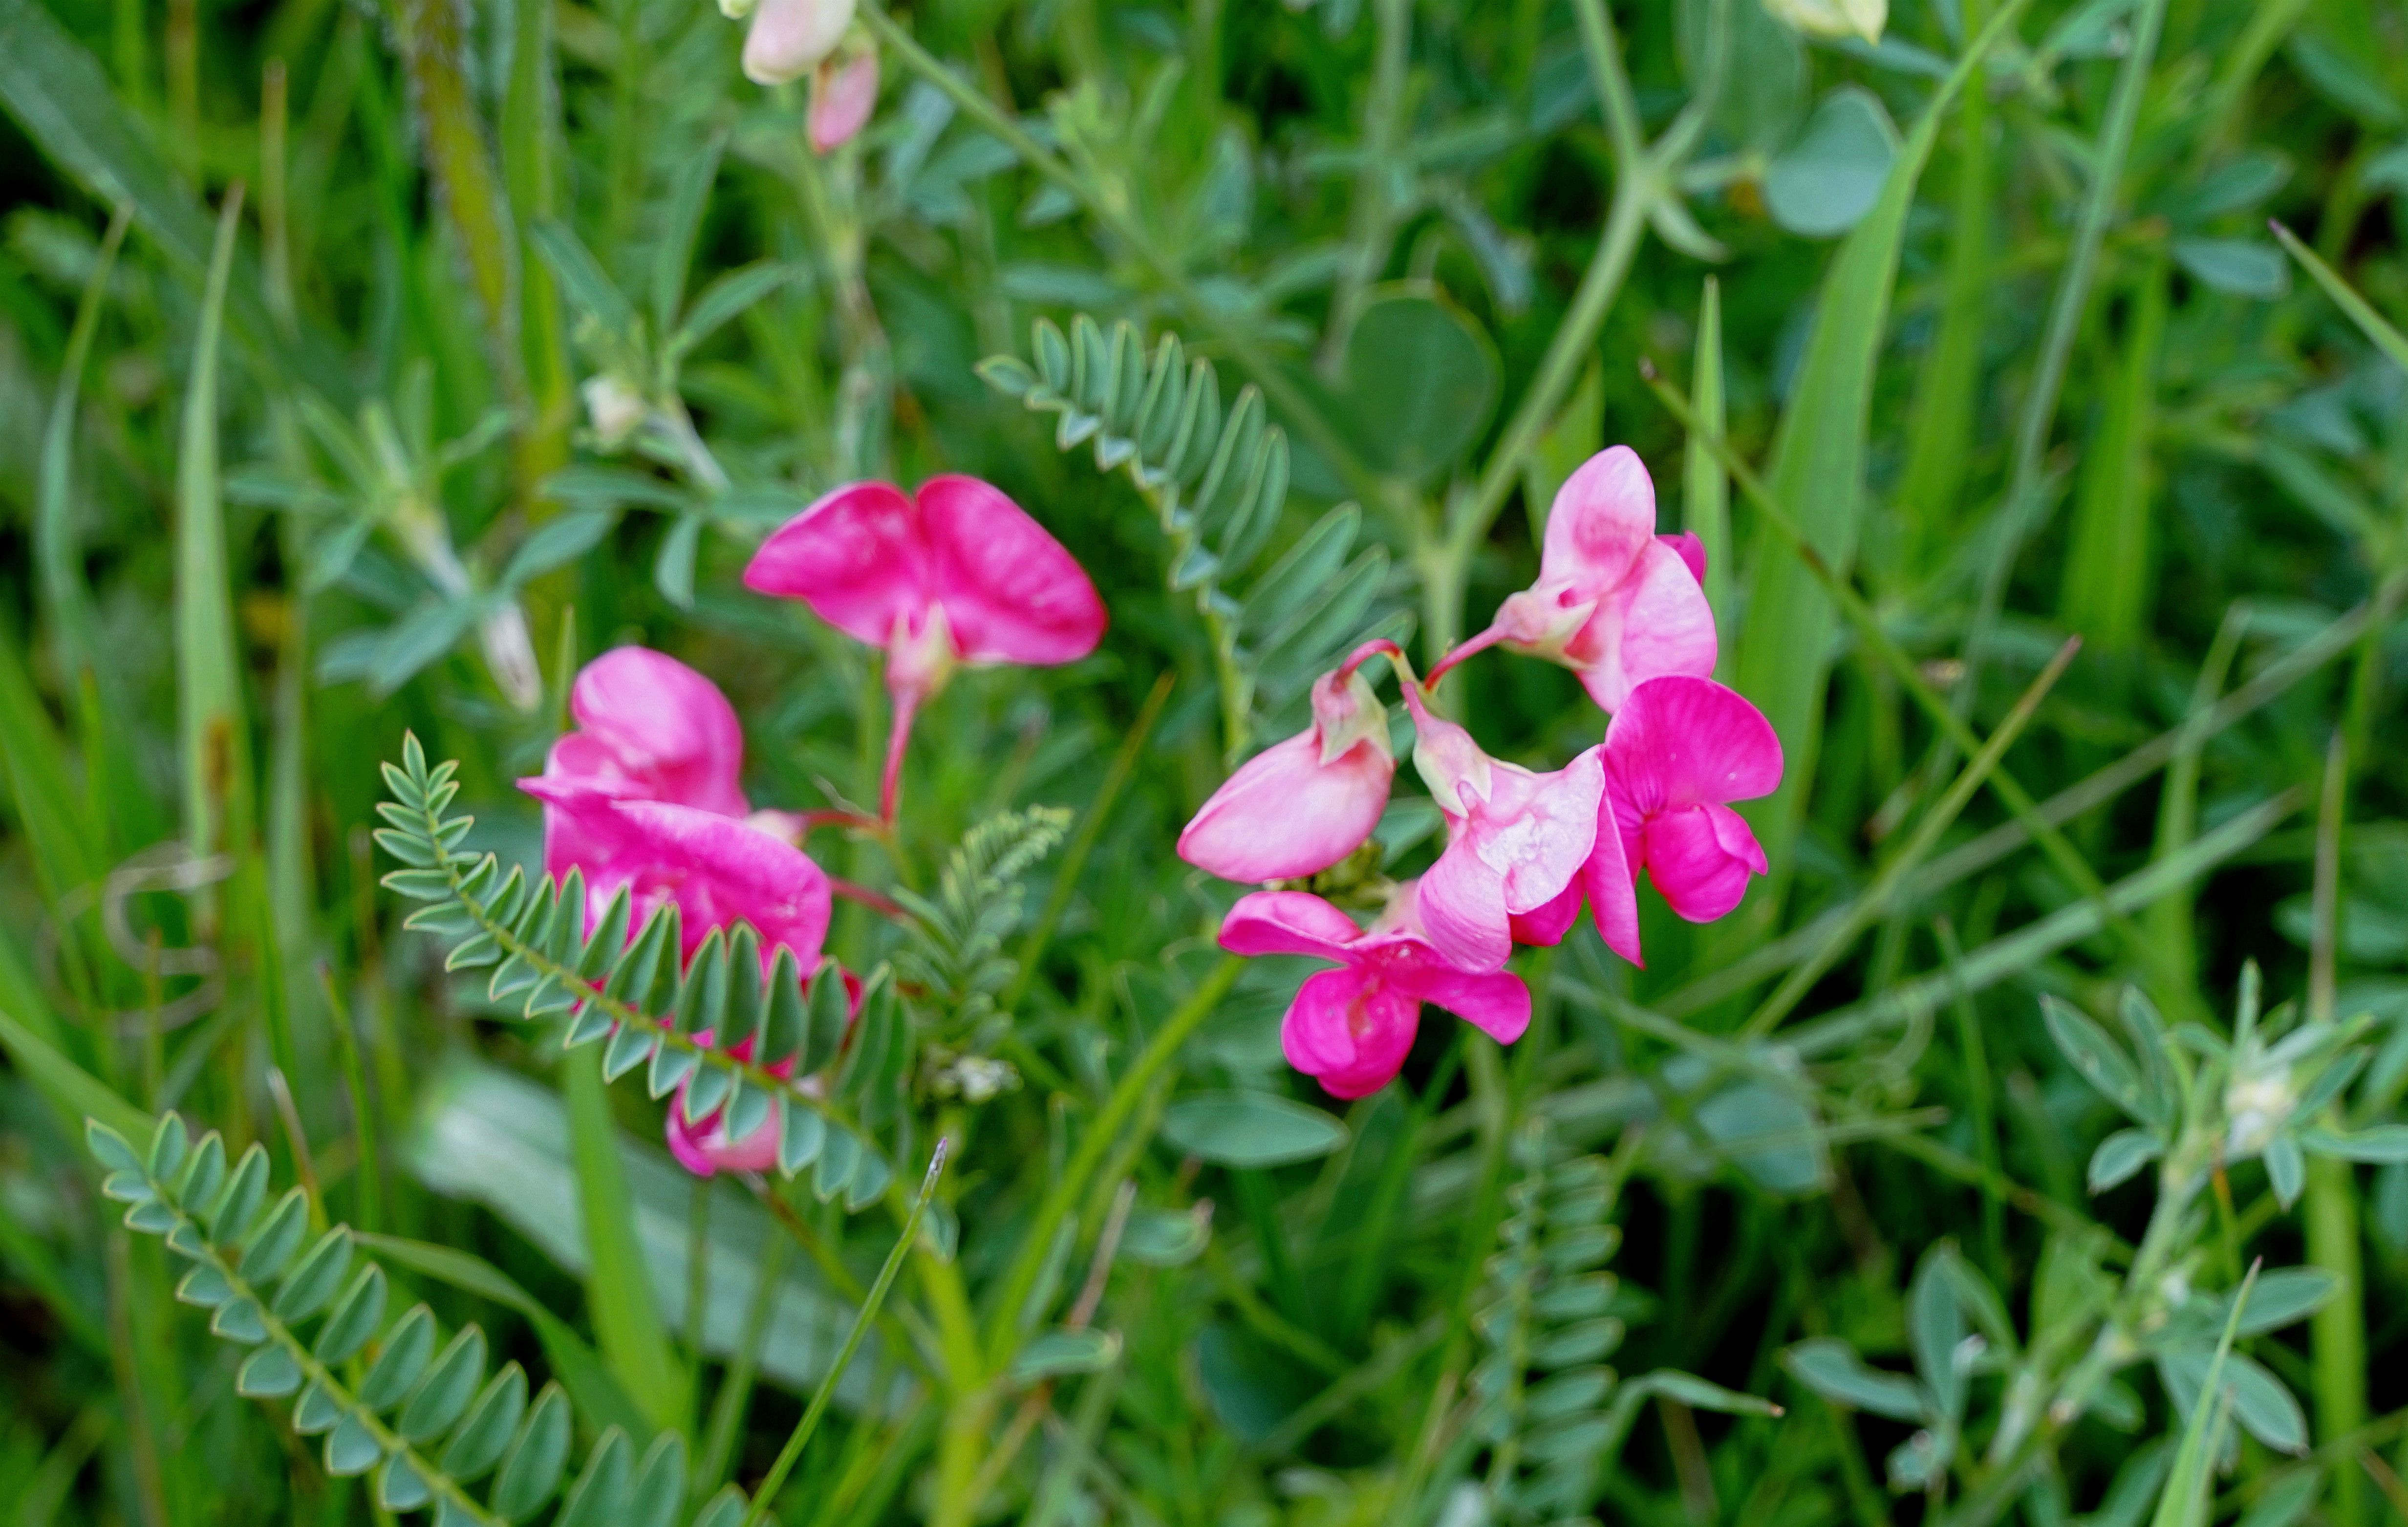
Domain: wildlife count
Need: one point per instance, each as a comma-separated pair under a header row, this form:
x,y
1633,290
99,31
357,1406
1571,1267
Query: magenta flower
x,y
960,575
651,728
1349,1028
1515,839
1301,806
1615,603
1676,754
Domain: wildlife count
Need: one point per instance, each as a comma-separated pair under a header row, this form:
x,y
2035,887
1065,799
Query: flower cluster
x,y
1624,609
645,794
790,38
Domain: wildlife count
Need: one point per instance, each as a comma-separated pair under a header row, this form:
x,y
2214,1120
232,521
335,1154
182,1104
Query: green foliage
x,y
1217,482
393,1399
617,981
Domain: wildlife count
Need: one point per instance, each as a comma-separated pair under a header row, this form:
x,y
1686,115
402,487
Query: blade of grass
x,y
2107,587
2170,921
766,1496
67,600
214,735
2012,953
2025,487
2377,330
1782,661
728,1407
1877,899
2337,1331
627,1324
2185,1500
1705,487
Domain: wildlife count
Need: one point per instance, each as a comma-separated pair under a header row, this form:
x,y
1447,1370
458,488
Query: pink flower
x,y
1299,806
959,574
1352,1027
1517,841
844,92
1677,752
789,38
644,795
1615,603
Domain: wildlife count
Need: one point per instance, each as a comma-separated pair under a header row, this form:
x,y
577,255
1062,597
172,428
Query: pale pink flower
x,y
1301,806
1615,603
1676,754
844,92
958,575
1349,1028
789,38
1515,839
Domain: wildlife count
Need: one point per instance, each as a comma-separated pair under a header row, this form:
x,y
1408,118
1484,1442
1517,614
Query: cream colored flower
x,y
789,38
1832,18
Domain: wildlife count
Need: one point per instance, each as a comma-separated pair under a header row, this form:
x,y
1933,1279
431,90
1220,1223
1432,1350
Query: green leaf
x,y
352,1448
401,1361
2382,1143
1250,1129
2094,1055
485,1431
1421,382
658,1493
214,734
316,1411
314,1283
1050,1354
355,1318
450,1384
401,1487
598,1497
589,291
680,222
531,1472
2119,1156
557,542
726,298
2240,267
271,1247
1829,179
627,1326
231,1212
2260,1403
267,1374
1832,1369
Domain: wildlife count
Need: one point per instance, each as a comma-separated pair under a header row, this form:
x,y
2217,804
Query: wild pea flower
x,y
789,38
844,92
1301,806
958,575
1516,840
1615,603
1349,1028
1676,753
644,795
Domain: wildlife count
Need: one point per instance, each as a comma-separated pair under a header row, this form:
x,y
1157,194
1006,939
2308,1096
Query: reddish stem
x,y
1480,642
1377,646
878,902
837,817
899,738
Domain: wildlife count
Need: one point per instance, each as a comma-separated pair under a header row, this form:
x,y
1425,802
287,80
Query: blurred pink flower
x,y
1677,752
1615,603
789,38
844,92
1301,806
644,794
1517,841
959,574
1349,1028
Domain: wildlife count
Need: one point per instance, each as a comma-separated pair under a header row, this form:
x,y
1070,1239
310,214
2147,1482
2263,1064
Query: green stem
x,y
775,1479
1003,1316
1372,222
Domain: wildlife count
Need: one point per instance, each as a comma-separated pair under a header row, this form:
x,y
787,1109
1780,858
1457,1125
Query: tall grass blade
x,y
627,1324
214,735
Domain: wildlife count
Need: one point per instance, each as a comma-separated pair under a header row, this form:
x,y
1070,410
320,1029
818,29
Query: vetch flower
x,y
1516,840
958,575
644,794
1349,1028
1676,754
1833,18
844,92
1301,806
1615,603
789,38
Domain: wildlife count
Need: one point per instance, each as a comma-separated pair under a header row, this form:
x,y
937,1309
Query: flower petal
x,y
1289,923
1611,883
1685,741
1495,1002
1535,829
1011,593
1691,549
858,558
1701,857
1547,925
843,94
1462,907
1655,621
716,869
652,727
1602,516
789,37
1350,1030
1285,813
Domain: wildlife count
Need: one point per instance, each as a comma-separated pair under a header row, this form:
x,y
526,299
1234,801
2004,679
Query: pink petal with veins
x,y
856,557
1285,813
1011,592
651,726
1350,1030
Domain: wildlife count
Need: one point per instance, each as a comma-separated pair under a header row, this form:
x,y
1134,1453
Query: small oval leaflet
x,y
1250,1129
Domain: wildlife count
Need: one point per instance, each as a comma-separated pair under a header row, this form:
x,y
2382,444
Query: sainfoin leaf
x,y
1250,1129
1832,1369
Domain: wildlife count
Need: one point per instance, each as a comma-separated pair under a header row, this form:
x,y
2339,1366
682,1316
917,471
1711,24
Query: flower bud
x,y
1301,806
615,406
1833,18
789,38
